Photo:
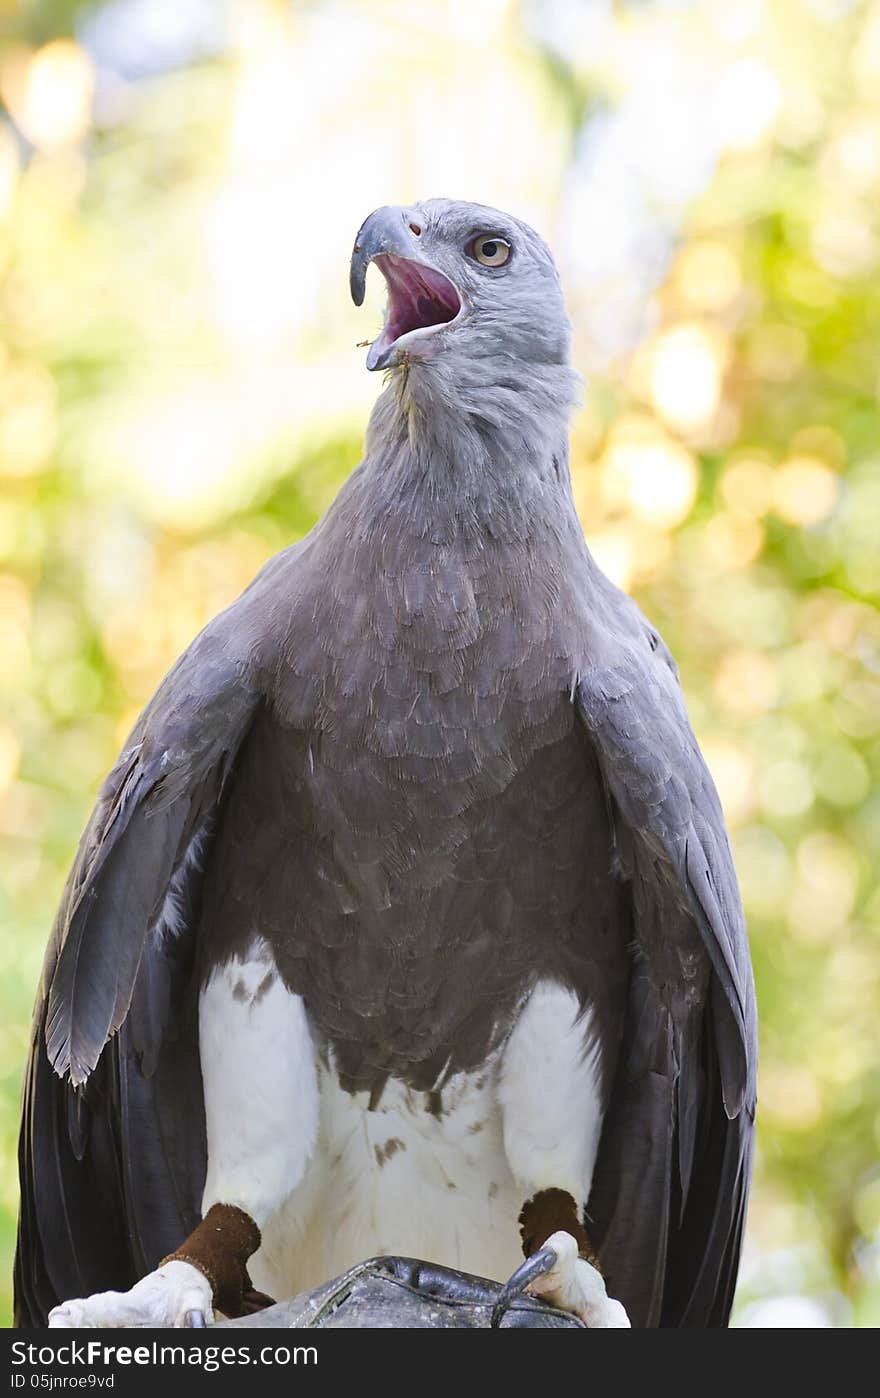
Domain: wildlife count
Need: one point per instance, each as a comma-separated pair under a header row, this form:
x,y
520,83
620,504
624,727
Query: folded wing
x,y
112,1150
671,1183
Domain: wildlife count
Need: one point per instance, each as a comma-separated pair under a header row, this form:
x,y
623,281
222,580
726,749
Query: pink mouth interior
x,y
417,296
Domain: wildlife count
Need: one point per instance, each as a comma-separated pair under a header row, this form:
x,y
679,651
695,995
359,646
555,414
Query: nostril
x,y
414,228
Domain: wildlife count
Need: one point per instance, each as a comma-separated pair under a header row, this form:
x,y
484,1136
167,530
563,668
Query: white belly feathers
x,y
331,1182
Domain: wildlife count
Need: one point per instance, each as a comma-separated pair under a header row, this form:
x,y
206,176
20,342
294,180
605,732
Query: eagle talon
x,y
175,1295
538,1265
574,1285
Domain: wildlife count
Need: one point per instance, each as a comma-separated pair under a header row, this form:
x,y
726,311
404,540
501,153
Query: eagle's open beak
x,y
420,298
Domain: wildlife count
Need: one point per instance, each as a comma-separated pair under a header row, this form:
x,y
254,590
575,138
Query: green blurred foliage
x,y
727,470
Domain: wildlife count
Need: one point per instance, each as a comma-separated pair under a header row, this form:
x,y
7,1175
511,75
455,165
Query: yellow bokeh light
x,y
805,490
50,93
763,870
8,168
824,895
857,709
841,624
747,486
629,553
808,671
28,418
747,103
786,789
644,471
15,623
843,243
731,541
687,364
653,547
707,276
747,682
790,1094
734,771
819,439
614,551
801,114
854,154
843,778
10,753
866,55
776,352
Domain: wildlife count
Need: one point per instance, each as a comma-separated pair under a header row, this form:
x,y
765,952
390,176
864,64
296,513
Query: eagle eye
x,y
490,250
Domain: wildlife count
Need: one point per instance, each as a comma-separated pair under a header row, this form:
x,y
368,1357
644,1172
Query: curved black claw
x,y
195,1320
538,1265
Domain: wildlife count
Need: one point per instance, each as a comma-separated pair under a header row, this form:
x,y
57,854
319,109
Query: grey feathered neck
x,y
474,446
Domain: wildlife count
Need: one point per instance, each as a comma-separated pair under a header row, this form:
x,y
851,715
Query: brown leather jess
x,y
220,1247
548,1212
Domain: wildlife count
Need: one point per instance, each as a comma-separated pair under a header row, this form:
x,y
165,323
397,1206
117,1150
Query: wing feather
x,y
671,1181
112,1148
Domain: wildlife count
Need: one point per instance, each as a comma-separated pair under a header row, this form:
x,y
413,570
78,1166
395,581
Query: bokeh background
x,y
180,396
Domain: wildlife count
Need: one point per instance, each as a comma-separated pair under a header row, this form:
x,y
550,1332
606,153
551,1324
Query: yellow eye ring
x,y
490,250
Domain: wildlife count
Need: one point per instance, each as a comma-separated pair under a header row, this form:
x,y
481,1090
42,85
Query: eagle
x,y
407,920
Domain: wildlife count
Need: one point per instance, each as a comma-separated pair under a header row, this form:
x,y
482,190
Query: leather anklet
x,y
548,1212
220,1247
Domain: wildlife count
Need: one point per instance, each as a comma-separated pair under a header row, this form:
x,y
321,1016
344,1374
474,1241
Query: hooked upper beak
x,y
421,299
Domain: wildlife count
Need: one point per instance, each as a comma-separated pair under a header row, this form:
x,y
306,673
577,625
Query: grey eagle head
x,y
471,291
